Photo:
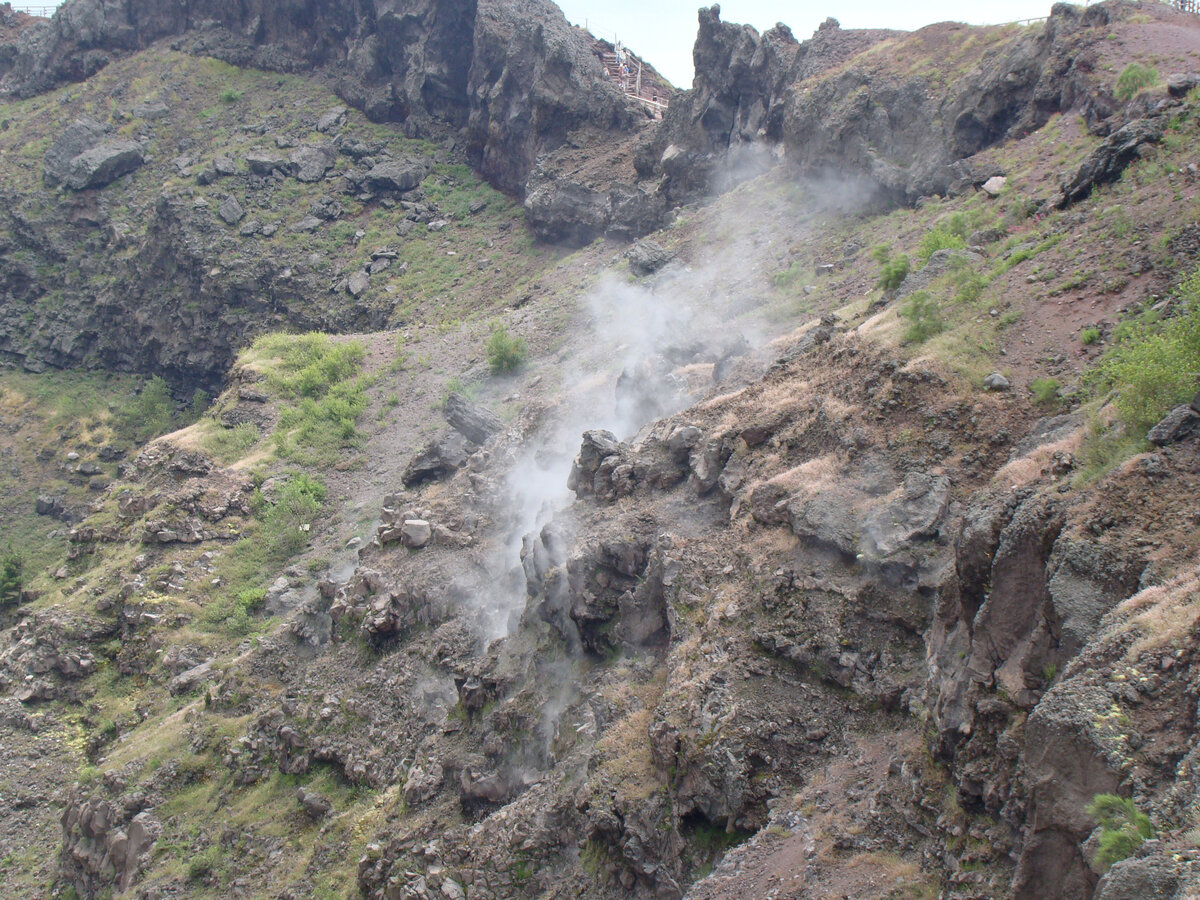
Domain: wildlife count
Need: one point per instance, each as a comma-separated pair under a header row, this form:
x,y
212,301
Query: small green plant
x,y
1089,336
10,577
940,238
1154,365
893,273
505,352
923,315
230,95
149,414
234,614
289,520
1133,79
1123,828
1045,392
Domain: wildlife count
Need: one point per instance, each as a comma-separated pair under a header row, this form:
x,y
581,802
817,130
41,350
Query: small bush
x,y
1133,79
505,352
288,522
940,238
1045,392
1089,336
10,577
234,614
924,319
149,414
894,271
1154,366
1123,828
230,95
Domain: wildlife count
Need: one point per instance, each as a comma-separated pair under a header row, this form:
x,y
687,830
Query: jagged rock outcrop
x,y
515,76
888,137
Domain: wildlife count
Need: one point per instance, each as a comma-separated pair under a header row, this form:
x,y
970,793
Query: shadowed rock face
x,y
515,75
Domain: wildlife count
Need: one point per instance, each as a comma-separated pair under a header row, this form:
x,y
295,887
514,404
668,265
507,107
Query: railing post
x,y
639,79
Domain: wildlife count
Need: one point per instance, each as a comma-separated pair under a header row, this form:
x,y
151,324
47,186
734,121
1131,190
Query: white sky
x,y
663,31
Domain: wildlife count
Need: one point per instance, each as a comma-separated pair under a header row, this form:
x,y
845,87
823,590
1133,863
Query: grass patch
x,y
321,378
227,445
1045,392
1123,828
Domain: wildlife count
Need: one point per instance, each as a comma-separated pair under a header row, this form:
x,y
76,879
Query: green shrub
x,y
288,521
505,352
233,614
1133,79
1123,828
149,414
924,319
894,271
10,577
1089,336
940,238
230,95
1154,366
1045,392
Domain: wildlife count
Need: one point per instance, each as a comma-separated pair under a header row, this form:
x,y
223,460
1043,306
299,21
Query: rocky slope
x,y
755,578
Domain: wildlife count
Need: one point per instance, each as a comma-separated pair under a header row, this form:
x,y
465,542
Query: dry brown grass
x,y
1164,616
1032,466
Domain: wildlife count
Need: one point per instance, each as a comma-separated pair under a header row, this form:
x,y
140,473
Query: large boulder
x,y
103,164
1105,164
82,134
395,175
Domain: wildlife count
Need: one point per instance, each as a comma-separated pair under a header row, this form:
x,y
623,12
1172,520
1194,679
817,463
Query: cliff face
x,y
516,75
828,105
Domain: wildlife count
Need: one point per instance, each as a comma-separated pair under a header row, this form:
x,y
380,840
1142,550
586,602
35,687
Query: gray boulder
x,y
472,421
331,118
415,533
358,283
915,515
103,164
439,459
996,382
314,804
395,175
1106,163
231,211
1178,85
80,135
310,163
646,257
1175,426
263,163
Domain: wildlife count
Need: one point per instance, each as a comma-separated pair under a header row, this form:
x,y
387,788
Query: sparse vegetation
x,y
944,237
1045,392
11,567
149,414
1152,366
1123,828
1089,336
923,314
505,352
893,273
1134,79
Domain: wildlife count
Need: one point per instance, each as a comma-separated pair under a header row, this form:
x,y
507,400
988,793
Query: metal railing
x,y
43,12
